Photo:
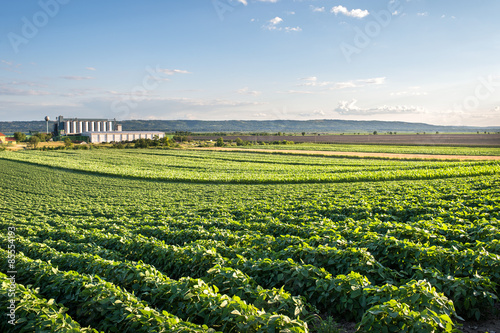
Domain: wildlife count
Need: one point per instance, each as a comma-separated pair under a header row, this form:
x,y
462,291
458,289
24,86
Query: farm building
x,y
100,130
102,137
76,126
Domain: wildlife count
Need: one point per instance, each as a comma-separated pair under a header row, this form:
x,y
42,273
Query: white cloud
x,y
411,91
357,13
315,113
275,21
246,91
423,14
317,9
270,1
244,2
292,29
299,92
76,78
261,115
350,108
8,91
90,68
359,83
195,102
10,63
313,82
273,25
25,83
172,71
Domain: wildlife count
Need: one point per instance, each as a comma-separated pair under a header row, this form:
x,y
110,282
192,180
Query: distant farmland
x,y
413,139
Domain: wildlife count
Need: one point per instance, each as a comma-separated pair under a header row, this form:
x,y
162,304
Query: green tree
x,y
142,143
44,136
19,136
220,142
165,141
68,143
240,142
303,133
34,141
375,132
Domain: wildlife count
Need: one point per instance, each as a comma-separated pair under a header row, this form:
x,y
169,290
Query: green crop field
x,y
154,240
390,149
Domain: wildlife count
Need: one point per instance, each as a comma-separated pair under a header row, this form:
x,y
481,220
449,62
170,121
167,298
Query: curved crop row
x,y
92,300
28,311
190,299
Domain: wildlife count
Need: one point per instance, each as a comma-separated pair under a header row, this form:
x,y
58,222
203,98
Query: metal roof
x,y
125,132
84,119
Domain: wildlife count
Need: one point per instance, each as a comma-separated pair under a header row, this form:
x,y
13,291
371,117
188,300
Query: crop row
x,y
229,281
189,299
403,256
350,295
28,311
93,301
472,296
200,166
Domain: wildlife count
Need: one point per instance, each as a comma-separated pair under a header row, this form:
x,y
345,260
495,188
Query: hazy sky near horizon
x,y
432,61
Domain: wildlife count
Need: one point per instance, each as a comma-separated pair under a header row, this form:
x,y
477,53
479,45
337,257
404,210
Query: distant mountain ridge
x,y
270,126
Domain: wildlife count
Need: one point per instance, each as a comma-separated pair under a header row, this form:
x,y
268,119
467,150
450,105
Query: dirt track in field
x,y
359,154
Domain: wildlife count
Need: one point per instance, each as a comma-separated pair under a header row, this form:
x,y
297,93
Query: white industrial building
x,y
76,126
100,130
103,137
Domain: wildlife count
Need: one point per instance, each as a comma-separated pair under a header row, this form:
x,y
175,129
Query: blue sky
x,y
408,60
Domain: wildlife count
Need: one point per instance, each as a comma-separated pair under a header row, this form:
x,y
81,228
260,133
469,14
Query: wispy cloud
x,y
247,91
314,82
90,68
317,9
172,71
359,83
9,91
25,83
350,108
274,24
314,113
10,63
410,91
299,92
76,78
357,13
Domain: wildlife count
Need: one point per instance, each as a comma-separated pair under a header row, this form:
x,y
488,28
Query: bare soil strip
x,y
360,154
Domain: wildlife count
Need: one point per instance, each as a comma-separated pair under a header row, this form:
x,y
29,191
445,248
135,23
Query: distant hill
x,y
267,126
